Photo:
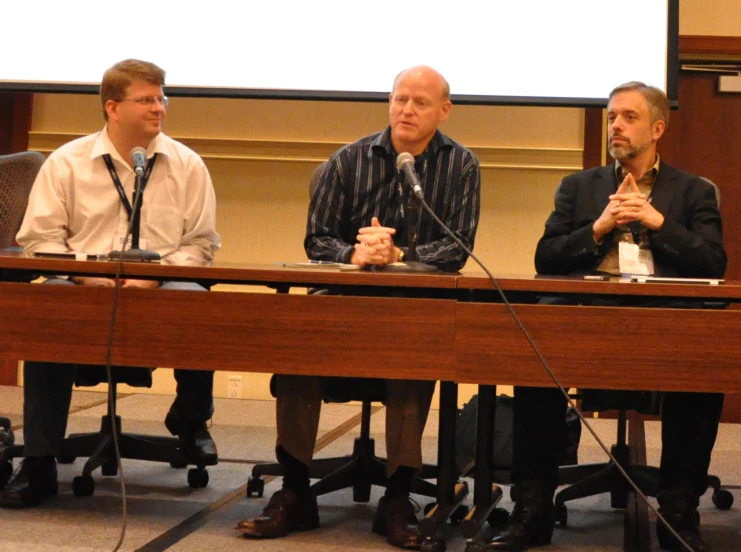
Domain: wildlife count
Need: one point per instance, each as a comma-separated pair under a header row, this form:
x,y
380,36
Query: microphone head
x,y
138,154
404,158
139,158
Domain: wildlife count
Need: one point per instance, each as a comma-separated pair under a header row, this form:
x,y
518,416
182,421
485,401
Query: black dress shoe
x,y
687,528
396,520
679,508
531,521
197,445
286,512
36,479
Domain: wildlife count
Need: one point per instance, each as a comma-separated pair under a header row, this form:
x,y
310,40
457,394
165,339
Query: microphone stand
x,y
135,254
414,206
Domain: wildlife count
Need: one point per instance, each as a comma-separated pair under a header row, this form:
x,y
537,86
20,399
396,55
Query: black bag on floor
x,y
465,435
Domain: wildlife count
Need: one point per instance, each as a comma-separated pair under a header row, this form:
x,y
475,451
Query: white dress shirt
x,y
74,204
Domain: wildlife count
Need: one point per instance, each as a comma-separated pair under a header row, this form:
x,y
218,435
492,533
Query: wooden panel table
x,y
603,347
260,332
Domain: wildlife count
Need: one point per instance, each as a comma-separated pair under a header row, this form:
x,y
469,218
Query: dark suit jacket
x,y
689,245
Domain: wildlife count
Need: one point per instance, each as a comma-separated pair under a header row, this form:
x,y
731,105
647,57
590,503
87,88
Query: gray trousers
x,y
47,394
299,401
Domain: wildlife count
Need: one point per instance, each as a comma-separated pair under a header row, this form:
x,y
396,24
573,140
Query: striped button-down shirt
x,y
361,181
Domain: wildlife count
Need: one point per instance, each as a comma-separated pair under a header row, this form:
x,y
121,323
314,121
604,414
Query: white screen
x,y
491,51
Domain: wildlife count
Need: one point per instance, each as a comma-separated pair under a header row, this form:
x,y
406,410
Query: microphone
x,y
139,157
405,162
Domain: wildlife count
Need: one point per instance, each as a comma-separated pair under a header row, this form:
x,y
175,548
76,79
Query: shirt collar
x,y
620,171
382,145
103,146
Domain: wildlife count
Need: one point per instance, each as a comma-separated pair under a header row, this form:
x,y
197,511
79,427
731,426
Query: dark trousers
x,y
689,428
47,394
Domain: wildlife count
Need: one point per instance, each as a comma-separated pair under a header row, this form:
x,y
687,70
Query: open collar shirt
x,y
361,181
74,204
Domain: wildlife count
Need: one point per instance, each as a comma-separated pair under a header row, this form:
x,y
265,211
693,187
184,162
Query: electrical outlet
x,y
234,387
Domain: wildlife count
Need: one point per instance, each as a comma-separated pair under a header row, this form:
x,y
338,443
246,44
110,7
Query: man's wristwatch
x,y
400,256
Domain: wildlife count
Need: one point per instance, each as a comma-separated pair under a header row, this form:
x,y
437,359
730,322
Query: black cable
x,y
109,373
553,376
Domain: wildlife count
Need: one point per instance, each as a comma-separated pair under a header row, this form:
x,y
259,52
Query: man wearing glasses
x,y
82,201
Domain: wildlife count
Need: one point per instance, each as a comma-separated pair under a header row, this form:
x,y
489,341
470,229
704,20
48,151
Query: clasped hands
x,y
375,246
627,205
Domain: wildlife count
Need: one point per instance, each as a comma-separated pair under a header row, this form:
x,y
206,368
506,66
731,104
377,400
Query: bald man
x,y
358,215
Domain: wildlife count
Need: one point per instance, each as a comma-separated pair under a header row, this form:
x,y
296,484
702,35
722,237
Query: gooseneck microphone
x,y
139,157
134,254
405,162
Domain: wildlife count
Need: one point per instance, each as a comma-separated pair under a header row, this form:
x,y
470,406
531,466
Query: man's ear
x,y
445,111
111,108
658,130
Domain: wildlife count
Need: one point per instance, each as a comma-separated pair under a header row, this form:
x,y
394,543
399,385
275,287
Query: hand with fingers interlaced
x,y
375,245
627,205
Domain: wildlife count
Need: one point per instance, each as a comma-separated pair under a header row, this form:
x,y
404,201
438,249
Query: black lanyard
x,y
119,186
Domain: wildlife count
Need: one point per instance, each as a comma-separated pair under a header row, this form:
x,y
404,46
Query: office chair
x,y
593,479
98,447
362,468
17,173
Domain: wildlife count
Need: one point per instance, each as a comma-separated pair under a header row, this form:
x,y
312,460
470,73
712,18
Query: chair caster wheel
x,y
179,464
433,545
722,499
459,514
197,478
498,517
562,514
255,487
83,485
6,472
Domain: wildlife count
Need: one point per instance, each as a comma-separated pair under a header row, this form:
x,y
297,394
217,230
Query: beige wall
x,y
261,154
710,17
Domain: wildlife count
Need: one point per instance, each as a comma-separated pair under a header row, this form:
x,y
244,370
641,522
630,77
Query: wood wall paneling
x,y
15,121
15,124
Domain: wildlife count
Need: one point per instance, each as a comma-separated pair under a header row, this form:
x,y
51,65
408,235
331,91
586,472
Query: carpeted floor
x,y
164,513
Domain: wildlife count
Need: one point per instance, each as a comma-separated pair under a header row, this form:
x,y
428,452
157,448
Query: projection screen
x,y
493,52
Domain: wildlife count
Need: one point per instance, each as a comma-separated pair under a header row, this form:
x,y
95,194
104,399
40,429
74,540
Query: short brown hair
x,y
117,79
658,103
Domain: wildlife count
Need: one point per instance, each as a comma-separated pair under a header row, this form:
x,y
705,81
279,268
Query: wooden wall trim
x,y
559,159
592,153
690,45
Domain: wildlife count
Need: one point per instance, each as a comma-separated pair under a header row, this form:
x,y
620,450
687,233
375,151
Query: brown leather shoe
x,y
286,512
396,520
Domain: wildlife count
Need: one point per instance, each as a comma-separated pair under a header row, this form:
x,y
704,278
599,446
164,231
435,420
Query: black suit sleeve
x,y
690,243
567,245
